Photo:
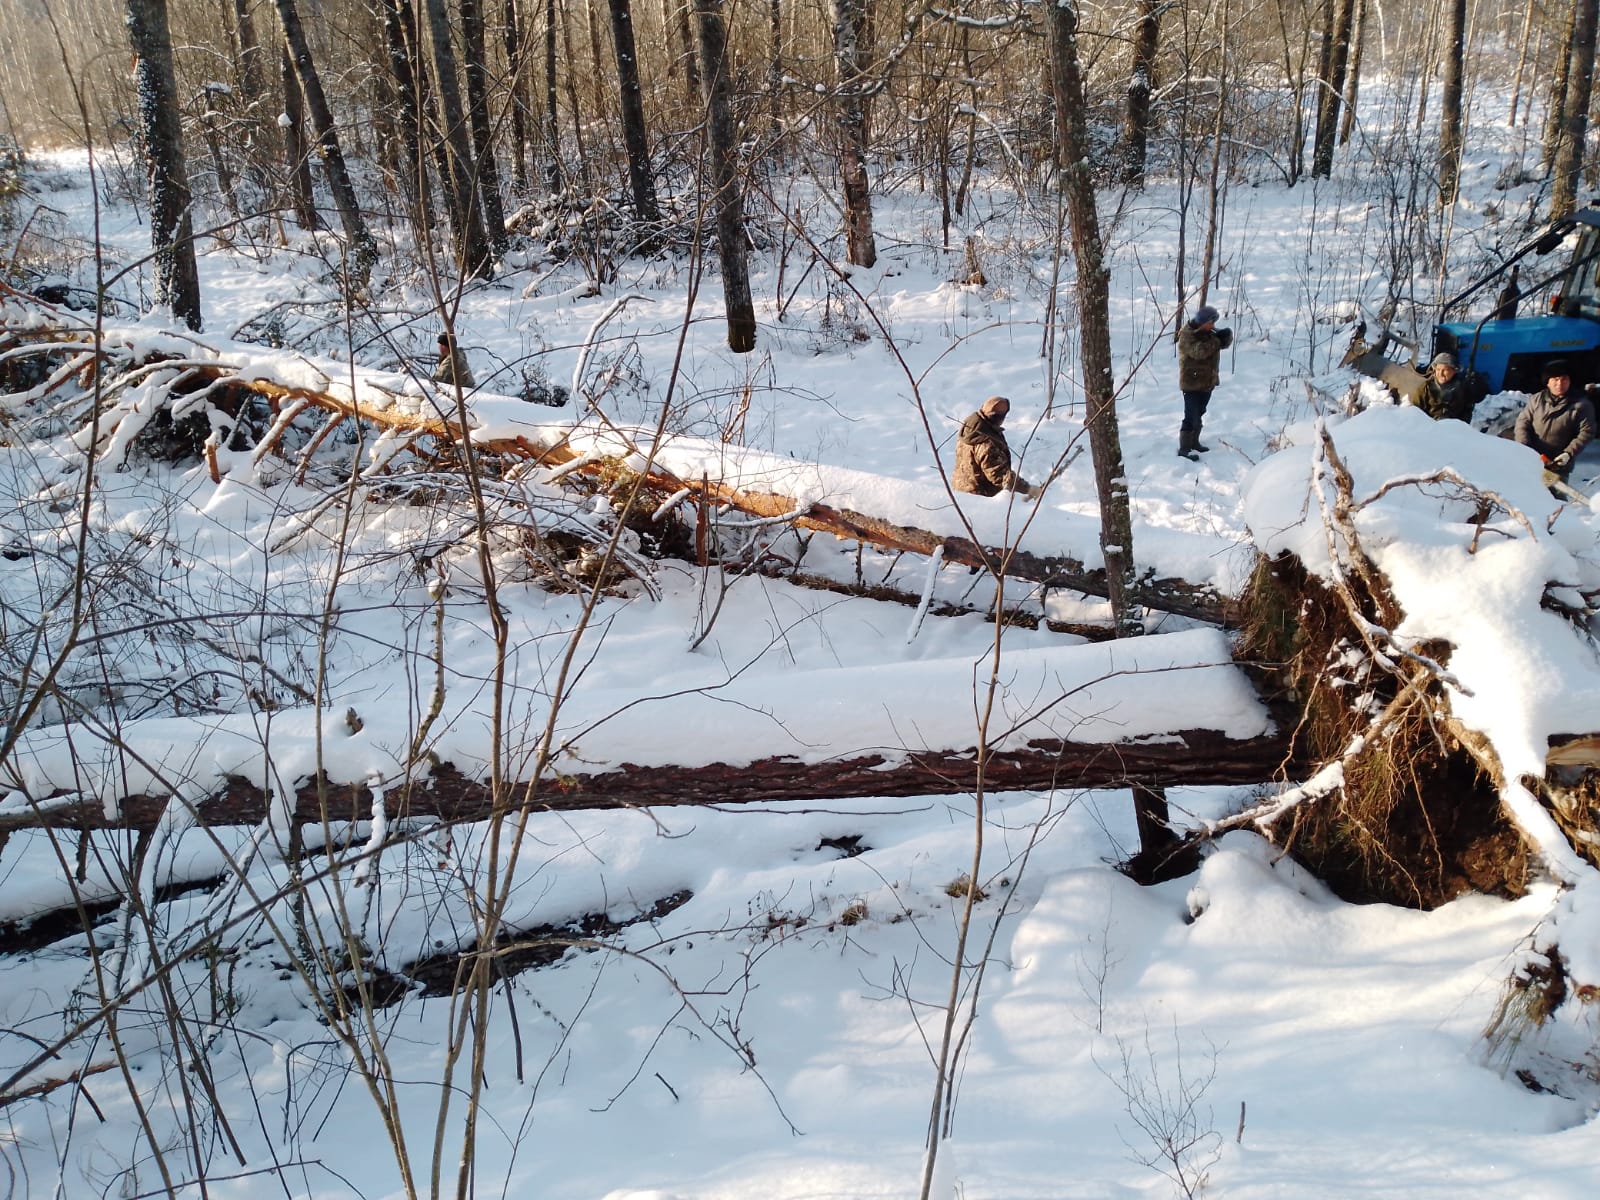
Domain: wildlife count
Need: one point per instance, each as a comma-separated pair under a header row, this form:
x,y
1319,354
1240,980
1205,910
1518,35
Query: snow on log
x,y
1433,608
1453,616
1097,715
1000,534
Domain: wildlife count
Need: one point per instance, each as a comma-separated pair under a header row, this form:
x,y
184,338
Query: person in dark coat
x,y
1505,302
1558,422
452,368
1200,347
1448,393
983,459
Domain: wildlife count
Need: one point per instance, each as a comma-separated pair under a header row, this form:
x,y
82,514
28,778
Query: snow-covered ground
x,y
771,1034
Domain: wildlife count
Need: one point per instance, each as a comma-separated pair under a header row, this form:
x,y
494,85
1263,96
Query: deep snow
x,y
756,1040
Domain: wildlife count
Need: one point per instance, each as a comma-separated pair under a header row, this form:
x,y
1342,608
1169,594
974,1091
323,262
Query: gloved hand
x,y
1035,491
1561,462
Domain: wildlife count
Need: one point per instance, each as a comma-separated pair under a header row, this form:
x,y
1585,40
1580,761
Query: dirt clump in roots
x,y
1415,822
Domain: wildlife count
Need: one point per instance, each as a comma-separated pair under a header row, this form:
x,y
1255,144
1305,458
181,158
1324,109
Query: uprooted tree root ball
x,y
1415,822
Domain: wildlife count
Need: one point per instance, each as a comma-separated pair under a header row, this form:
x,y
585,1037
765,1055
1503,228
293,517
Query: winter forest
x,y
507,688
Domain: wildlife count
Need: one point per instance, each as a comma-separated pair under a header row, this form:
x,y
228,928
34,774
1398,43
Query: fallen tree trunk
x,y
401,415
1191,757
1175,596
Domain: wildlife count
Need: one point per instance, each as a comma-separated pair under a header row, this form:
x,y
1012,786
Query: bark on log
x,y
1192,757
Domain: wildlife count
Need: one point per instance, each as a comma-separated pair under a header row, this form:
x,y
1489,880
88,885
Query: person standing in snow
x,y
1448,393
1200,347
1505,303
452,368
1558,422
983,459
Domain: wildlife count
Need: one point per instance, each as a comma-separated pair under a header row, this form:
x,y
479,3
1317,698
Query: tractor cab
x,y
1509,350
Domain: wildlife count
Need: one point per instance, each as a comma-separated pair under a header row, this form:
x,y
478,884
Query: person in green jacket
x,y
1200,347
452,368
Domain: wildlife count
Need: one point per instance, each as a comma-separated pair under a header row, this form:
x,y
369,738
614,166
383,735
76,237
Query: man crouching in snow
x,y
983,459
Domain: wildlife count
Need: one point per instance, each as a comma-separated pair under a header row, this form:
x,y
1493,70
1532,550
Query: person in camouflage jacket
x,y
983,459
452,368
1448,392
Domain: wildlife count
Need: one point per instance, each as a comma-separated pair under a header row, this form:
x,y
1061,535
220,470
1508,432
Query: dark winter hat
x,y
1557,366
1205,315
1444,359
995,406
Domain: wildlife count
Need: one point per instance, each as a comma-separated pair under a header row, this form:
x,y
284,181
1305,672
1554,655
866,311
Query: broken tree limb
x,y
1189,757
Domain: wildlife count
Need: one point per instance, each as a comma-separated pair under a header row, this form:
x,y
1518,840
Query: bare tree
x,y
775,68
675,17
1575,124
850,107
473,252
171,225
486,171
296,153
513,33
255,63
1522,65
1335,54
552,108
728,203
1455,50
1352,84
1100,416
362,249
637,145
1136,124
398,23
1555,116
1295,49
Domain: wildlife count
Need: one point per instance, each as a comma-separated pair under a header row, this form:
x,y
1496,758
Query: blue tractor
x,y
1508,351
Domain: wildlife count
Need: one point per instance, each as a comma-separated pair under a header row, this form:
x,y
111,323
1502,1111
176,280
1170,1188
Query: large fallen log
x,y
1176,596
1191,757
411,419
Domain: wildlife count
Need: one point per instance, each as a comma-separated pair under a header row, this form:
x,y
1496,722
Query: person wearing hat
x,y
983,459
452,368
1200,347
1558,422
1447,393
